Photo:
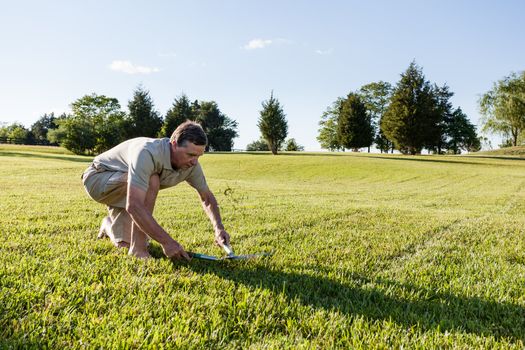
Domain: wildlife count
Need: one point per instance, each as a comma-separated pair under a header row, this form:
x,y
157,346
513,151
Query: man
x,y
128,177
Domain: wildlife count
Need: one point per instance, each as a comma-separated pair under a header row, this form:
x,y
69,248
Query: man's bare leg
x,y
139,240
105,231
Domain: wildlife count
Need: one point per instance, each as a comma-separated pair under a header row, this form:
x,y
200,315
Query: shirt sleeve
x,y
197,180
141,167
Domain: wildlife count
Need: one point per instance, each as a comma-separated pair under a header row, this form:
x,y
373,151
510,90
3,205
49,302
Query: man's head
x,y
189,132
188,143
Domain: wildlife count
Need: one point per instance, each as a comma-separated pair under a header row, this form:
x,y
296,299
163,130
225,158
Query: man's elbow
x,y
132,208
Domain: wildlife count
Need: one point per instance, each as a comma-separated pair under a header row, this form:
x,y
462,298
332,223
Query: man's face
x,y
185,156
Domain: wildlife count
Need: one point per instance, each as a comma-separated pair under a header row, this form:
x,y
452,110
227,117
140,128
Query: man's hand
x,y
222,237
174,250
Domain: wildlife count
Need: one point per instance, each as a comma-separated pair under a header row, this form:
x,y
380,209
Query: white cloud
x,y
130,68
324,52
258,44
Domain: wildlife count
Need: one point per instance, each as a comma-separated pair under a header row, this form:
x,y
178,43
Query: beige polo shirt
x,y
142,157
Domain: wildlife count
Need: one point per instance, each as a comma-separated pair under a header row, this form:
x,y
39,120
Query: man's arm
x,y
210,206
137,207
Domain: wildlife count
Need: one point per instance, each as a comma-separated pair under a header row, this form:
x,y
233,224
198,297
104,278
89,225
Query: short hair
x,y
189,131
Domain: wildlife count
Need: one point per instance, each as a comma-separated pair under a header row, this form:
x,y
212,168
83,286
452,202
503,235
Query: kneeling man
x,y
128,177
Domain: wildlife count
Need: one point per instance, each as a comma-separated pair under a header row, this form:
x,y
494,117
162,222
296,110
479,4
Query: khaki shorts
x,y
110,188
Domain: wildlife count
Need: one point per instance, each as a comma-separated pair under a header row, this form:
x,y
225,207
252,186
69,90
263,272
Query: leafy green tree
x,y
76,134
258,145
272,123
95,125
354,127
328,127
293,146
220,129
106,118
41,127
411,120
180,111
376,97
15,133
503,107
143,119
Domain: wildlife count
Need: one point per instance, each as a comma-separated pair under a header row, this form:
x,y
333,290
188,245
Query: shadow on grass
x,y
425,309
79,159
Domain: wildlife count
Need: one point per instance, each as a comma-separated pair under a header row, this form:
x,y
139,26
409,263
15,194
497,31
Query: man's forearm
x,y
145,221
209,203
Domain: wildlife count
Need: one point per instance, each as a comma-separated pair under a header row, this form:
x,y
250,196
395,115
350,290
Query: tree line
x,y
97,123
409,117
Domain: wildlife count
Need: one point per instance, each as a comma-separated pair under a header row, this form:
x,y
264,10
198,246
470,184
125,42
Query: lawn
x,y
371,251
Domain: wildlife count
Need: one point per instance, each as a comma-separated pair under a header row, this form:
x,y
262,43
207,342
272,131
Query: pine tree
x,y
220,129
143,120
272,123
460,133
179,112
410,119
354,127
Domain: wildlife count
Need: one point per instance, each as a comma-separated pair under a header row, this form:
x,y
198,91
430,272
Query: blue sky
x,y
236,52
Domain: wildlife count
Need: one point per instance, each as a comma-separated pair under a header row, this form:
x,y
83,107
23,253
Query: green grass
x,y
371,251
517,151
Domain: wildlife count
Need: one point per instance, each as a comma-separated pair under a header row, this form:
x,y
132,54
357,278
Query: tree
x,y
460,133
354,127
293,146
95,125
220,129
503,108
259,145
439,112
76,134
41,127
272,123
328,127
180,111
16,133
410,120
376,97
143,120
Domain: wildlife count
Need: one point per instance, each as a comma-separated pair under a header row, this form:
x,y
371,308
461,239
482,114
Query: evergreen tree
x,y
410,120
272,123
180,111
143,120
354,127
220,129
460,133
439,114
